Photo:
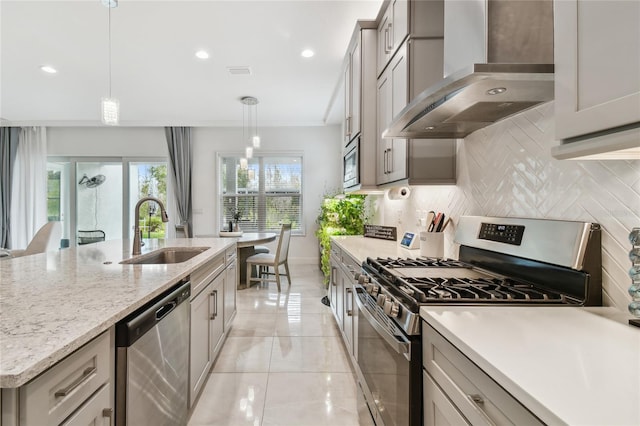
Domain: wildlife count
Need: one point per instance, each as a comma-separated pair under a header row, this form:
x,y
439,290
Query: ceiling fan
x,y
92,182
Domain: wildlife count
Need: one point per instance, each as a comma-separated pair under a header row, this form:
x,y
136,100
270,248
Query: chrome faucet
x,y
137,249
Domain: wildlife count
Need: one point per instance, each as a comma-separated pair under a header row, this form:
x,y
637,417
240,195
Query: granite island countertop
x,y
53,303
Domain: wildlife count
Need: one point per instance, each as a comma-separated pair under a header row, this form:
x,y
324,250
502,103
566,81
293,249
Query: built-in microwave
x,y
351,164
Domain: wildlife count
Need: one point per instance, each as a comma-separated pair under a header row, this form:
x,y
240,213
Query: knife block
x,y
432,244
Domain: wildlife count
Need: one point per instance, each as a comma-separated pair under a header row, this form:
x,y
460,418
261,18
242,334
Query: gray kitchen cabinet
x,y
402,18
93,411
456,391
416,65
230,289
597,78
343,268
207,322
352,78
336,285
438,409
360,100
77,390
201,358
348,267
392,97
217,314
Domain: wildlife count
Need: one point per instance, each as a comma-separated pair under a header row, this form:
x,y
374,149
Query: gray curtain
x,y
8,150
179,144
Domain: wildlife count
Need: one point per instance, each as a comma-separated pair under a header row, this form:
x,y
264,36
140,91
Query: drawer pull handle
x,y
85,375
477,401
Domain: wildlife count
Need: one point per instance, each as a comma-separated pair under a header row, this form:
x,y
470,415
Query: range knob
x,y
363,279
387,306
356,276
395,310
374,290
392,309
381,299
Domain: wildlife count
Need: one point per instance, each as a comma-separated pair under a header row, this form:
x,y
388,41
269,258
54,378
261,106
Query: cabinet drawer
x,y
480,400
206,273
53,396
230,255
96,411
437,409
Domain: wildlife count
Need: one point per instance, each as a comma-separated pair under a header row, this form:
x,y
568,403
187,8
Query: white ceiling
x,y
155,75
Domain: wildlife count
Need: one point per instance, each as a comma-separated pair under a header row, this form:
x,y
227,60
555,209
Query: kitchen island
x,y
52,304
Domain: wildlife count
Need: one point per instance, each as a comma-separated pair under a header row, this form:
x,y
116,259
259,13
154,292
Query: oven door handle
x,y
401,345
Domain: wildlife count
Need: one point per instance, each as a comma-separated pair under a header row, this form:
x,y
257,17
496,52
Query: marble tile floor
x,y
283,362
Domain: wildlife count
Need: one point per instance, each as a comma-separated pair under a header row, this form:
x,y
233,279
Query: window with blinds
x,y
263,196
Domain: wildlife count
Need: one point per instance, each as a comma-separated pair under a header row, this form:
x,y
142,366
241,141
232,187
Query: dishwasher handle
x,y
135,325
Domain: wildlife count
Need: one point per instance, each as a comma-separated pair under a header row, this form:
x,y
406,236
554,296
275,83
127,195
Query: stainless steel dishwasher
x,y
152,361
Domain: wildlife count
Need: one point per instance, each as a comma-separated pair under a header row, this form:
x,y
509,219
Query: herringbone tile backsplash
x,y
507,170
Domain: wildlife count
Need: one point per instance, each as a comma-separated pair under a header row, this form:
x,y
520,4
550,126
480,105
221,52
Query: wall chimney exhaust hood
x,y
498,62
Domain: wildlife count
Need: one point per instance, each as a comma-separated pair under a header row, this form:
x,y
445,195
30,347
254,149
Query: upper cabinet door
x,y
400,25
392,30
356,87
597,58
385,48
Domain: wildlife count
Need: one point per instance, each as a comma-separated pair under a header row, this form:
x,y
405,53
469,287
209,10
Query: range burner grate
x,y
420,262
483,290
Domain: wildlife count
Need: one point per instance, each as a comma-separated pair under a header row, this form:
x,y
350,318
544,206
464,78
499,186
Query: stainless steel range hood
x,y
503,53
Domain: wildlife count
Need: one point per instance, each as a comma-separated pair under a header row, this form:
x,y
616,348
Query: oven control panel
x,y
508,234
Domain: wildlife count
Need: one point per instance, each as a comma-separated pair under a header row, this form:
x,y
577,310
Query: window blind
x,y
264,195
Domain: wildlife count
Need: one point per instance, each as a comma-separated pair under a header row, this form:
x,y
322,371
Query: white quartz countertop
x,y
360,247
567,365
53,303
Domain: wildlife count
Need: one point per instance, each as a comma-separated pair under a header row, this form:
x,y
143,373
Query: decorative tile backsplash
x,y
507,170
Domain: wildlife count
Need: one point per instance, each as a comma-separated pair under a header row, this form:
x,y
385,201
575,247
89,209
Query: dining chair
x,y
267,260
47,238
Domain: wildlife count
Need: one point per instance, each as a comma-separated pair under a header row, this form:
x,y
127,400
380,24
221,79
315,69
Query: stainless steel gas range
x,y
502,261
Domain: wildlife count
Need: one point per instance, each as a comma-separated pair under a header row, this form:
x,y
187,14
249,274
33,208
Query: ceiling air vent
x,y
239,70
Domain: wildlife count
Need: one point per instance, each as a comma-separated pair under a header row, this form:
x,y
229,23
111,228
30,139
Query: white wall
x,y
321,155
106,141
320,148
506,170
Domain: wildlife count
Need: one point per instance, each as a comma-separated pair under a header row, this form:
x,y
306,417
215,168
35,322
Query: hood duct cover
x,y
503,53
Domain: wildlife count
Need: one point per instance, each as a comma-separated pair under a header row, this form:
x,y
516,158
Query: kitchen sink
x,y
165,256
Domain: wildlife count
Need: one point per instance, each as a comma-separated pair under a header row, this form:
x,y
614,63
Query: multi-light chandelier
x,y
110,105
249,128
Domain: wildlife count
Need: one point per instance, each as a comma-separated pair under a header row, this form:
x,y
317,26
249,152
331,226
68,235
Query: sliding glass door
x,y
99,201
148,179
95,198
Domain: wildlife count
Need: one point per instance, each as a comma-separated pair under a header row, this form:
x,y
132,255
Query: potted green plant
x,y
339,215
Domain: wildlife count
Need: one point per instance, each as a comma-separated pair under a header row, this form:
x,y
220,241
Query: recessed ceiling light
x,y
202,54
307,53
48,69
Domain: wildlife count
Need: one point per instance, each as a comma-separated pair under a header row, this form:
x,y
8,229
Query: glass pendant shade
x,y
244,164
248,152
110,111
250,123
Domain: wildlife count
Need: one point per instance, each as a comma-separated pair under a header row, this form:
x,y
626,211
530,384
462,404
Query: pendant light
x,y
110,105
251,106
